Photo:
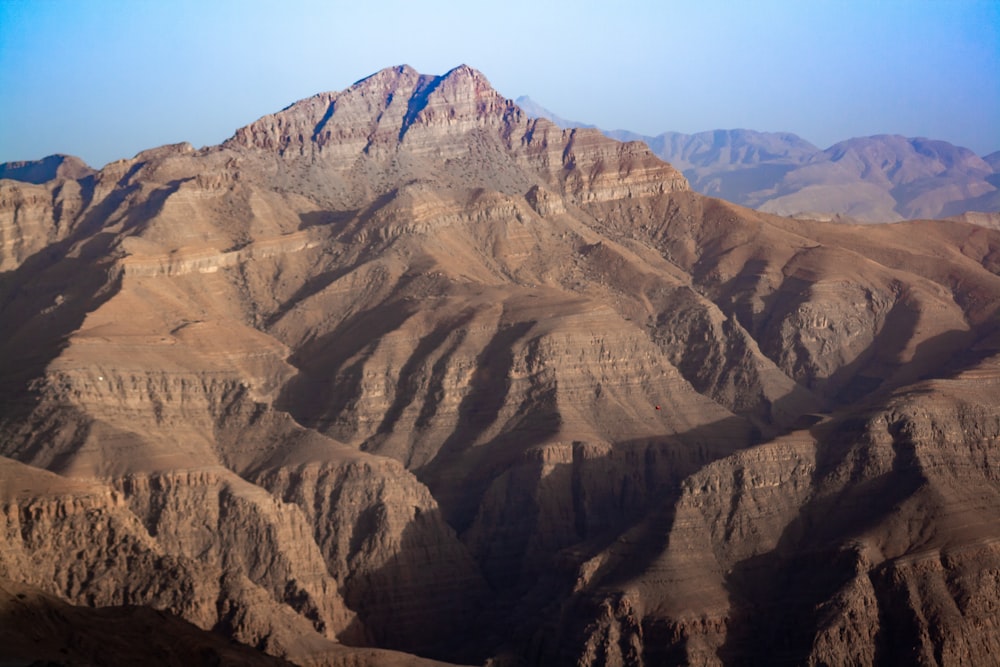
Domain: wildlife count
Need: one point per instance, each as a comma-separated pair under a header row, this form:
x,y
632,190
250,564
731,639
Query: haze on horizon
x,y
106,79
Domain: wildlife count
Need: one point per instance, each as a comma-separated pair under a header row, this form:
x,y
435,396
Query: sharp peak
x,y
464,70
406,71
396,70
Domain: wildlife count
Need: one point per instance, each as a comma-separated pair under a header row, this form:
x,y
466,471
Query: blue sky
x,y
104,79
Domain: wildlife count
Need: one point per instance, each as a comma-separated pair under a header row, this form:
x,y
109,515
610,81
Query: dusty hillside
x,y
399,367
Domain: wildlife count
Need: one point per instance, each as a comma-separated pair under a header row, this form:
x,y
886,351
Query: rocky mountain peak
x,y
380,108
405,126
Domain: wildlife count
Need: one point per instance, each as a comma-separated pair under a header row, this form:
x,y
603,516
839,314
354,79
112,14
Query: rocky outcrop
x,y
78,540
234,568
35,217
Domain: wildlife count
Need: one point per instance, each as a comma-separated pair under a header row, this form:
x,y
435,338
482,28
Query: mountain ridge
x,y
775,171
399,367
781,173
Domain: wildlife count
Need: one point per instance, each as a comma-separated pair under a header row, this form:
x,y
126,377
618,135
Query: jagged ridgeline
x,y
398,371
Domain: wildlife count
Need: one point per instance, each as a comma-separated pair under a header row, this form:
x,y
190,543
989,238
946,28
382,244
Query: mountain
x,y
883,178
47,169
400,371
920,178
535,110
991,220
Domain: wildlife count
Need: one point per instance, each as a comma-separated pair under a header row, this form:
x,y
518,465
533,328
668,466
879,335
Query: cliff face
x,y
399,367
205,546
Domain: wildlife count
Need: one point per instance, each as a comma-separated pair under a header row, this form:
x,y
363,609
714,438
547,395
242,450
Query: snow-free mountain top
x,y
882,178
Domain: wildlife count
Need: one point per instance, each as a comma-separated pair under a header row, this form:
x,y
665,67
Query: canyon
x,y
402,375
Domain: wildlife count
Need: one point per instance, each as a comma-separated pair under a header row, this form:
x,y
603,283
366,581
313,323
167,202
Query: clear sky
x,y
104,79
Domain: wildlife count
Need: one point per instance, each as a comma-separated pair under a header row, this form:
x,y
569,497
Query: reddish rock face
x,y
400,368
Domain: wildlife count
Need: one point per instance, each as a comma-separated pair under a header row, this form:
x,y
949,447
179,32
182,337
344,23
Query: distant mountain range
x,y
882,178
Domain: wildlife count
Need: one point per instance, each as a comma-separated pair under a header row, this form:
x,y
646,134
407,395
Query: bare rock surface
x,y
400,375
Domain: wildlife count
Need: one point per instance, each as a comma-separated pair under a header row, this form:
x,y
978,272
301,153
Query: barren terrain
x,y
399,371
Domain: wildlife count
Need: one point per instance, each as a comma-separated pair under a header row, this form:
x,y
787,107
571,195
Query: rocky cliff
x,y
399,367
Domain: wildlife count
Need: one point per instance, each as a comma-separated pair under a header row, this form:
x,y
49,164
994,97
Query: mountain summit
x,y
453,127
399,371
